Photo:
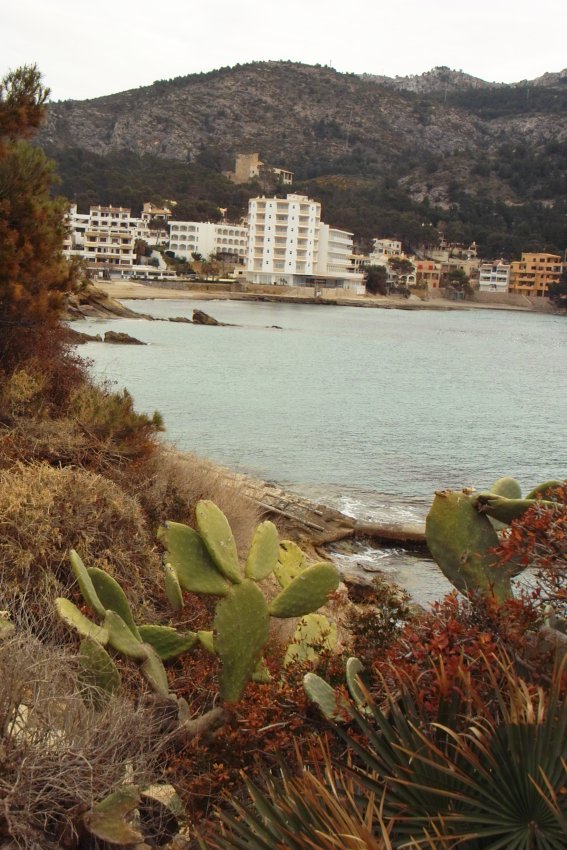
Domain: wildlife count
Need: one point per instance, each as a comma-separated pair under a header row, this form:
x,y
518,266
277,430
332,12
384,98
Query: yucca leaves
x,y
498,785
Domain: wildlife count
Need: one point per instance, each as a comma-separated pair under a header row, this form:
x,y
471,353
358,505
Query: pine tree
x,y
34,275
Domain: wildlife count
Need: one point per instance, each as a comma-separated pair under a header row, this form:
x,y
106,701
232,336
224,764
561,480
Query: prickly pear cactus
x,y
172,587
168,642
218,538
307,591
460,539
264,551
314,634
110,819
112,597
240,632
74,618
189,556
291,562
97,672
331,703
207,562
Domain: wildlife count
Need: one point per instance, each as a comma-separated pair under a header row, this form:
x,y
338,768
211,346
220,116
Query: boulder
x,y
201,318
122,338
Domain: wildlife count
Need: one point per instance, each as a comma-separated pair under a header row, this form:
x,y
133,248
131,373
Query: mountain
x,y
440,147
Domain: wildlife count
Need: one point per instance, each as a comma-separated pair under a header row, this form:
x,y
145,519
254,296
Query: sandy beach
x,y
130,289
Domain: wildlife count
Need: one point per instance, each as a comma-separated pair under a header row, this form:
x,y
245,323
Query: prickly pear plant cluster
x,y
147,645
462,534
206,561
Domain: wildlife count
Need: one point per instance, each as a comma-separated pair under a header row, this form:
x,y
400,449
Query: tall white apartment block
x,y
494,277
206,238
336,259
283,240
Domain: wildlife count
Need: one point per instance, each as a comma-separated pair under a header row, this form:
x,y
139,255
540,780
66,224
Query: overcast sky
x,y
92,48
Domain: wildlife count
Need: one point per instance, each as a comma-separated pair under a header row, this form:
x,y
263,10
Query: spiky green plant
x,y
320,808
501,784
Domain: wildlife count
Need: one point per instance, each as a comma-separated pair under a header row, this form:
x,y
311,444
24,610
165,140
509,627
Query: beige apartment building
x,y
109,240
533,274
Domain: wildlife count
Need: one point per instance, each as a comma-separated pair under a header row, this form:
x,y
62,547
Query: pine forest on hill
x,y
480,162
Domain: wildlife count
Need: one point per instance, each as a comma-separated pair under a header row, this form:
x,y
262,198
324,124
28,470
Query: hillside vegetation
x,y
483,162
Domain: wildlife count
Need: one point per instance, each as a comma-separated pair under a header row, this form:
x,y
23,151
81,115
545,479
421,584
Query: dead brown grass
x,y
45,511
58,756
175,481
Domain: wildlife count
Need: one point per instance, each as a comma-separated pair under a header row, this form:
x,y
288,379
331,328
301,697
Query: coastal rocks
x,y
118,338
183,319
202,318
79,338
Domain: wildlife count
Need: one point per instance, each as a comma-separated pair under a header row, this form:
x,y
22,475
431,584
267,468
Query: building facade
x,y
427,274
205,238
290,246
533,274
494,277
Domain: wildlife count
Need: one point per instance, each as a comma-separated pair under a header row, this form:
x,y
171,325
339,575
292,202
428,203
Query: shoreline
x,y
136,291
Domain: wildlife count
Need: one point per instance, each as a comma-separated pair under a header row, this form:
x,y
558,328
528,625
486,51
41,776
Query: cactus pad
x,y
154,671
71,615
206,639
506,510
545,490
354,668
187,553
507,487
263,555
85,583
314,634
330,703
108,819
240,631
218,538
121,638
168,642
172,587
291,562
460,539
307,591
113,597
97,671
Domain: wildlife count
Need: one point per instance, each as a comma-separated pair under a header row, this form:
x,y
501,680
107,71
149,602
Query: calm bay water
x,y
370,410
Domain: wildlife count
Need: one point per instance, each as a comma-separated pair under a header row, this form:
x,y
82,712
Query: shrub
x,y
47,511
58,756
110,420
539,539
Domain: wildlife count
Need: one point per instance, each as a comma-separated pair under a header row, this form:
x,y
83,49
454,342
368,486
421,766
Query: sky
x,y
93,48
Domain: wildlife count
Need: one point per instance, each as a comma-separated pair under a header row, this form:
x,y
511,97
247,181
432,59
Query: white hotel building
x,y
205,238
289,245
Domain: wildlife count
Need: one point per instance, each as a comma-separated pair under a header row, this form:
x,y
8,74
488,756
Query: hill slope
x,y
436,139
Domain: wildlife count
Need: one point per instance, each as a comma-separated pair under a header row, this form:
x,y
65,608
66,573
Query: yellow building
x,y
532,274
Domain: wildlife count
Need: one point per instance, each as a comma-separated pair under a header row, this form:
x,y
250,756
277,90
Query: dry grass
x,y
176,481
58,756
46,511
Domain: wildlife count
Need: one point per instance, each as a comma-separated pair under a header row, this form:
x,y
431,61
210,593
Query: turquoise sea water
x,y
370,410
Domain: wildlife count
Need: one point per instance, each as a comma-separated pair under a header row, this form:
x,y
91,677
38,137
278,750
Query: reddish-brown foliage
x,y
539,539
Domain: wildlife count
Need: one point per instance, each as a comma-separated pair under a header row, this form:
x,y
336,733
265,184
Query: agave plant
x,y
499,784
321,807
